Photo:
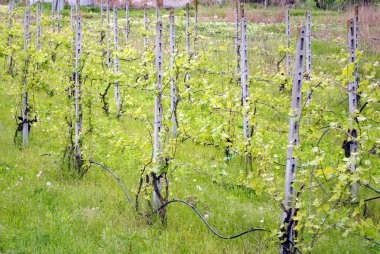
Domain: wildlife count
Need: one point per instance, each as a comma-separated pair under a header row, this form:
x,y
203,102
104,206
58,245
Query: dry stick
x,y
291,163
352,101
116,61
25,106
158,112
287,31
78,102
173,87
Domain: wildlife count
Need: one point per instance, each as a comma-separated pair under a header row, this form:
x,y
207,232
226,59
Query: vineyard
x,y
203,129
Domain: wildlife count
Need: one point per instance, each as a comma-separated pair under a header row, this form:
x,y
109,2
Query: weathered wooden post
x,y
158,114
10,39
39,28
356,24
287,31
287,246
308,52
101,12
127,25
173,87
25,106
72,18
188,38
245,84
352,103
78,90
244,71
116,60
108,35
308,43
195,27
145,28
237,39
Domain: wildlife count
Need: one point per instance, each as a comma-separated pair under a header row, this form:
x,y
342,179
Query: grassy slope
x,y
90,215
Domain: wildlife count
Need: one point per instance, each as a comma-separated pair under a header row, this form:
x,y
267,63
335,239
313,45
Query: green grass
x,y
57,212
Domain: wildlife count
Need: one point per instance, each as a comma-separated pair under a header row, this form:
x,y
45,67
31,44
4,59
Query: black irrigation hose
x,y
117,178
205,221
177,201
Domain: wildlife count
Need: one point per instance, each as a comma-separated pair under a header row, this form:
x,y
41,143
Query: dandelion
x,y
199,187
39,173
48,183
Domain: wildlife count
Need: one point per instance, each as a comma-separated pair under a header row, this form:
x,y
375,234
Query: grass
x,y
54,212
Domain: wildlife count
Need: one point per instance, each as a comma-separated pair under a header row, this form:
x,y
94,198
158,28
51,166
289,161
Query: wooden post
x,y
188,37
356,24
78,89
25,106
158,112
287,24
10,39
308,43
116,60
352,102
72,18
244,71
237,46
108,36
101,13
58,8
308,53
127,25
173,87
146,28
291,162
195,27
39,28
